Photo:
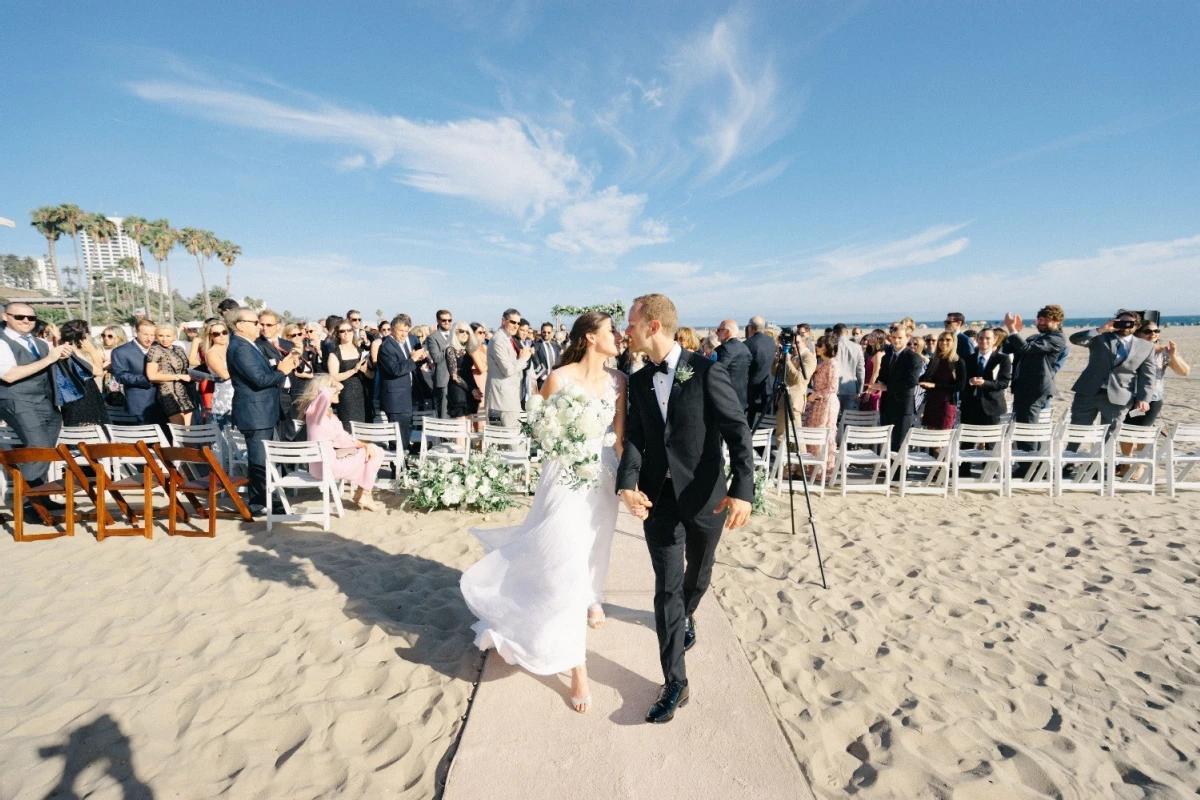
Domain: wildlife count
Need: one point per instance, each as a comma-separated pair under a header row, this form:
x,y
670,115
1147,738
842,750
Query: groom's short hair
x,y
659,307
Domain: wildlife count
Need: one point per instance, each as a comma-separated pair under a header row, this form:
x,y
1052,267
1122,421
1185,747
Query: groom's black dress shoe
x,y
689,633
673,695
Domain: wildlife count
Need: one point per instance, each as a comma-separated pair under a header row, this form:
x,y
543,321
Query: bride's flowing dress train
x,y
532,590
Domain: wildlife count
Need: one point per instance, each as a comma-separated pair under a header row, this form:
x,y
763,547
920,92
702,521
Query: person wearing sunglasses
x,y
294,334
350,365
216,393
439,341
507,360
28,392
1119,373
1165,355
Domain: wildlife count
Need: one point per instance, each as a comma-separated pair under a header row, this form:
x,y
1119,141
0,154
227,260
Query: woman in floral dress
x,y
821,410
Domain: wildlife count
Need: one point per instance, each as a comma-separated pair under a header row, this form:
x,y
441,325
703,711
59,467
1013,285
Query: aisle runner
x,y
524,741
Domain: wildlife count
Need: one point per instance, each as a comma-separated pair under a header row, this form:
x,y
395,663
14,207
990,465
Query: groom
x,y
672,478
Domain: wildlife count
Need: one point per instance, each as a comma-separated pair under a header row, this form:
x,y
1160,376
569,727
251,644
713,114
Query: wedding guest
x,y
331,341
529,374
350,365
709,346
436,344
851,368
964,341
899,375
462,393
129,369
999,334
736,357
80,398
214,352
111,338
1034,360
226,305
687,339
821,410
988,375
191,338
856,334
304,372
797,373
762,349
1119,373
926,346
483,336
354,317
400,358
167,368
873,352
27,387
506,363
313,339
275,348
355,461
546,353
1165,356
944,378
47,332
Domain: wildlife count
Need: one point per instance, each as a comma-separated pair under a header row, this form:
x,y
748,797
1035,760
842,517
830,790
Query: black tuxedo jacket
x,y
901,372
735,357
702,411
996,374
545,357
762,358
274,356
396,376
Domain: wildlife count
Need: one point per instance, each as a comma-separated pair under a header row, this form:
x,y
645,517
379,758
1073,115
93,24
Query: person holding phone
x,y
167,368
1120,371
350,364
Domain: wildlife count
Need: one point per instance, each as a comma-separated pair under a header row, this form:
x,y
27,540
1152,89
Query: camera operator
x,y
1120,371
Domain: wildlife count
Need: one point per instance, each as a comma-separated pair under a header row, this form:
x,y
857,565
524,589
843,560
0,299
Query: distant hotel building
x,y
101,259
43,276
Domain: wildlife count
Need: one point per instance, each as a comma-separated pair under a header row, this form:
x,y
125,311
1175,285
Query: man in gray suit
x,y
506,367
851,368
1120,371
436,345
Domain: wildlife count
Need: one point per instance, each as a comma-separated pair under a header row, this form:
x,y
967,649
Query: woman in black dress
x,y
82,402
351,365
462,393
167,368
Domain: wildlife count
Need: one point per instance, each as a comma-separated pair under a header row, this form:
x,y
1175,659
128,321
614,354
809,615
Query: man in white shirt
x,y
1120,372
28,394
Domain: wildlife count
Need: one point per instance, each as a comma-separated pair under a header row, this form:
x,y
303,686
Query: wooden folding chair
x,y
96,454
216,482
22,491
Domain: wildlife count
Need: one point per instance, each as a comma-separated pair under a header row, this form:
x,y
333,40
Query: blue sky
x,y
798,160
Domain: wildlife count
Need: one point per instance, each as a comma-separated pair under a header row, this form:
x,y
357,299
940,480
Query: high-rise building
x,y
43,276
102,259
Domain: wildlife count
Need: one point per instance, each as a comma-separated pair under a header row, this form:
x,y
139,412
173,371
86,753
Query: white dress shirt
x,y
7,359
663,380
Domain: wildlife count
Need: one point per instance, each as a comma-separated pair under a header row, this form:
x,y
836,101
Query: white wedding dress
x,y
532,590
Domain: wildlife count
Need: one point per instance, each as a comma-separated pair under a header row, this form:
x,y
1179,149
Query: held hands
x,y
420,354
977,381
739,511
1142,406
637,502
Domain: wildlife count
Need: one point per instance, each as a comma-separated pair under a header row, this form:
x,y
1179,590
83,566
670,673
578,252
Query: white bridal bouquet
x,y
484,484
568,428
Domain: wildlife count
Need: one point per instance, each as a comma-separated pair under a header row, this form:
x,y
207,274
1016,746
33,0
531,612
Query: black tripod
x,y
781,398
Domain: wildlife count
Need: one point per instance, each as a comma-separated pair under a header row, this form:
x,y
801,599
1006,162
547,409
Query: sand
x,y
977,647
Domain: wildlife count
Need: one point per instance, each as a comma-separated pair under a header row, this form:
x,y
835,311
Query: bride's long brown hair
x,y
585,324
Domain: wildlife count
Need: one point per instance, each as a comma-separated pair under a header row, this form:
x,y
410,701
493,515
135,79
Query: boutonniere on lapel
x,y
683,373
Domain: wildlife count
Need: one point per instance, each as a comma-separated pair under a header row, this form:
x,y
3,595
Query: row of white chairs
x,y
929,461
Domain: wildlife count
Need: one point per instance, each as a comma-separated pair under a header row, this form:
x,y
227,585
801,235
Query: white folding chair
x,y
418,422
1006,418
913,455
859,419
1144,439
444,438
1088,459
132,434
1045,416
119,416
818,462
71,436
386,436
866,447
296,454
981,445
1040,463
1182,456
511,446
236,463
760,443
198,436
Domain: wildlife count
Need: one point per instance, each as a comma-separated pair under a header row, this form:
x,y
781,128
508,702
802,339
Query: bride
x,y
543,581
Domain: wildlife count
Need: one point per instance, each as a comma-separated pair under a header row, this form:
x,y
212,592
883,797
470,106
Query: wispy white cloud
x,y
608,223
745,180
652,92
932,244
519,169
671,270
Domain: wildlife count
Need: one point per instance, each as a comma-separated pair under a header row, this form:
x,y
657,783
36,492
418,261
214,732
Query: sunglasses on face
x,y
445,319
219,333
24,317
356,319
345,330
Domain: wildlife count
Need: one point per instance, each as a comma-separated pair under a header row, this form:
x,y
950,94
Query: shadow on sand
x,y
99,741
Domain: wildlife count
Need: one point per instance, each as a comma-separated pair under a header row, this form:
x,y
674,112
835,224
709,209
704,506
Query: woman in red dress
x,y
944,378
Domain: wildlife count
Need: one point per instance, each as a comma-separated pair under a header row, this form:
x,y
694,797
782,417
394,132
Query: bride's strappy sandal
x,y
596,622
578,704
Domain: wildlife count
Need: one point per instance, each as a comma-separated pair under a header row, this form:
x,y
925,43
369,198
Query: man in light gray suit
x,y
851,369
506,367
1119,373
436,345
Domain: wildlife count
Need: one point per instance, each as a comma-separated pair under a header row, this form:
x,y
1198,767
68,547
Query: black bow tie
x,y
661,367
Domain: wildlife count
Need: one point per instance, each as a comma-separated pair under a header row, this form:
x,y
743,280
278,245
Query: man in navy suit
x,y
736,357
275,348
963,344
129,368
399,357
762,358
255,396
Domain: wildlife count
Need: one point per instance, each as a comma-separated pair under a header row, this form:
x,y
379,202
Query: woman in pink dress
x,y
821,410
355,461
873,355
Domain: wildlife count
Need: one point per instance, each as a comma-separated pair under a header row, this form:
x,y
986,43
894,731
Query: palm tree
x,y
138,229
163,239
47,220
228,252
99,229
201,244
130,265
71,218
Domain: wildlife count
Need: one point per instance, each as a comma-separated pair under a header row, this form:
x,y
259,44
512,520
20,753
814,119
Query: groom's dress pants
x,y
678,588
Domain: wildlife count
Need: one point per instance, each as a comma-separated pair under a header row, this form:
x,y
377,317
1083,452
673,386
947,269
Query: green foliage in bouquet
x,y
484,484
